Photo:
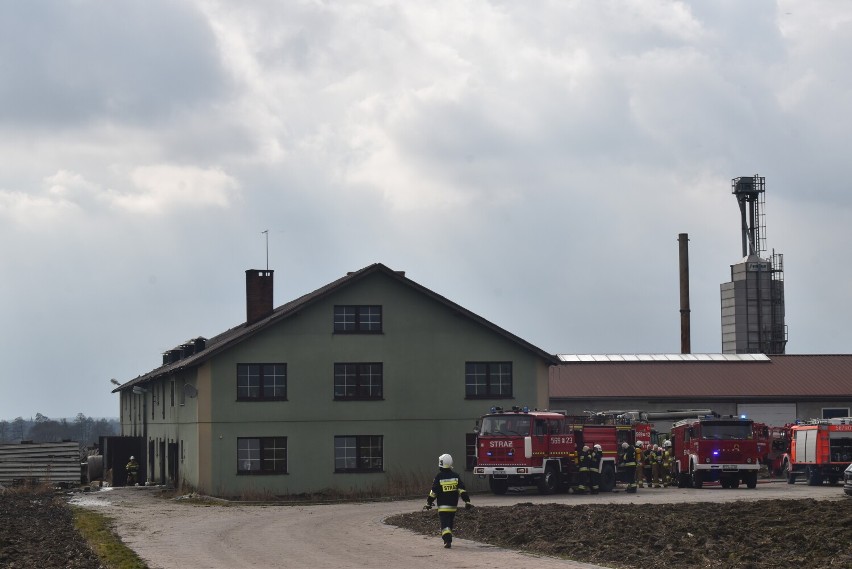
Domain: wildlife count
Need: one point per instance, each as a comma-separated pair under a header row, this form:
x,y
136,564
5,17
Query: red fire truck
x,y
773,443
519,447
714,448
820,449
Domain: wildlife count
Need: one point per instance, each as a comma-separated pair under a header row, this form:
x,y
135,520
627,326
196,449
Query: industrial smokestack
x,y
683,241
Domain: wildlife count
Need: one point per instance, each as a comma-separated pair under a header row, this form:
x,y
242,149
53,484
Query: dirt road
x,y
172,534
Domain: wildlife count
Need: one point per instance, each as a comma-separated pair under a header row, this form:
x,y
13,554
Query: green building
x,y
359,385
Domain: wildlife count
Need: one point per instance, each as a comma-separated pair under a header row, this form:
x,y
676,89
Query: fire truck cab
x,y
820,450
521,448
773,443
714,448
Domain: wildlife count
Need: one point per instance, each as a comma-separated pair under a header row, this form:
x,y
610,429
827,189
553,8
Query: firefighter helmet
x,y
667,444
598,447
445,461
585,448
624,445
131,458
639,444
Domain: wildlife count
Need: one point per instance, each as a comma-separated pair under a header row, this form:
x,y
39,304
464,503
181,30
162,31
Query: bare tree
x,y
18,428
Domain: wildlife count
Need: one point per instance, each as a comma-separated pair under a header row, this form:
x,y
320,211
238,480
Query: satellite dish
x,y
189,390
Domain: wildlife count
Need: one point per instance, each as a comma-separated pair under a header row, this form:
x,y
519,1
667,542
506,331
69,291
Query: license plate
x,y
729,467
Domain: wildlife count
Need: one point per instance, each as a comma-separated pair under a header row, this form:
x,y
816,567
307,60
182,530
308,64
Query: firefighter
x,y
595,457
132,469
584,460
667,463
640,462
446,489
627,461
646,464
657,466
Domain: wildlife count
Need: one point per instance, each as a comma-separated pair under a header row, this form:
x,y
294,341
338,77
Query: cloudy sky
x,y
531,161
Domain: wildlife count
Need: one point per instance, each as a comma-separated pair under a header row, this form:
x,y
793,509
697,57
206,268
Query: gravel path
x,y
176,534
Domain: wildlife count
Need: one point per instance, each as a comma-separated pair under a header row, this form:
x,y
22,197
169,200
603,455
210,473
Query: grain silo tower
x,y
753,302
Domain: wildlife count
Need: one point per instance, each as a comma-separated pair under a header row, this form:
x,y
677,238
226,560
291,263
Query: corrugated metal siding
x,y
47,462
799,376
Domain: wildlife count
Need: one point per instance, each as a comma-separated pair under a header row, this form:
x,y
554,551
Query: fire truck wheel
x,y
549,481
751,480
734,484
788,473
498,485
607,483
697,478
814,477
683,480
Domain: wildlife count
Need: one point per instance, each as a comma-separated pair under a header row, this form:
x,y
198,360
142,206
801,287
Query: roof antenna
x,y
266,232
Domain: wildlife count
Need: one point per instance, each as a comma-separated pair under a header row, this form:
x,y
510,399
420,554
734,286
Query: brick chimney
x,y
258,294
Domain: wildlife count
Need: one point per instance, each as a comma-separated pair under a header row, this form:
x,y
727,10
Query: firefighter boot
x,y
447,536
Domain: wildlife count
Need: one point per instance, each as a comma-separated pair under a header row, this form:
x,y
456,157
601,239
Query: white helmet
x,y
131,458
445,461
585,448
667,444
639,444
624,445
598,447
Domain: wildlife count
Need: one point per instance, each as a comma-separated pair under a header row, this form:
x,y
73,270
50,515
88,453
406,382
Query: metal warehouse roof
x,y
661,357
705,376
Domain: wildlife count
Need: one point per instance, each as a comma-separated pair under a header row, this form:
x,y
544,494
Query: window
x,y
357,319
362,453
833,412
488,380
721,430
262,382
262,455
554,427
358,381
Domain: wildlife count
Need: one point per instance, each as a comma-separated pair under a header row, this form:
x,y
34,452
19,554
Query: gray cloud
x,y
69,62
535,166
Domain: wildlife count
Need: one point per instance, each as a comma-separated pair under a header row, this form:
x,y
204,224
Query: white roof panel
x,y
663,357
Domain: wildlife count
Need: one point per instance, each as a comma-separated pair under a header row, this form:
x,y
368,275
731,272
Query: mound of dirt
x,y
37,530
766,534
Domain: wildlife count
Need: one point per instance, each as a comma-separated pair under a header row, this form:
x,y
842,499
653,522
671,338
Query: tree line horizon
x,y
42,429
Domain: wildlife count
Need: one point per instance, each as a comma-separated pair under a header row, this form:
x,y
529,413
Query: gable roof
x,y
241,333
712,377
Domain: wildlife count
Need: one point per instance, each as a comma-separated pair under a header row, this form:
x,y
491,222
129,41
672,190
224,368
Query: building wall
x,y
804,409
424,413
170,420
